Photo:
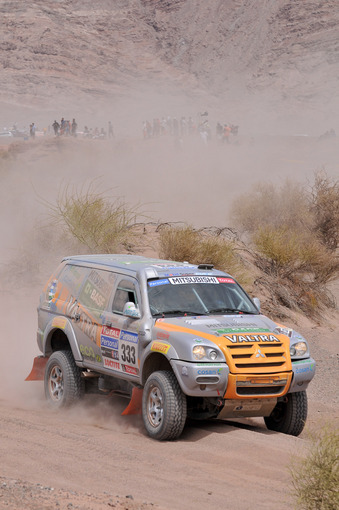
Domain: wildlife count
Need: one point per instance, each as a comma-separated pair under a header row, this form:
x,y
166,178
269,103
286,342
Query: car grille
x,y
257,355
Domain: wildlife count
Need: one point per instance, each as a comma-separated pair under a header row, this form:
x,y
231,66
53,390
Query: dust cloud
x,y
170,179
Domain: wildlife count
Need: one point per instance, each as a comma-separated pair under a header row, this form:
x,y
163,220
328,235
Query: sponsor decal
x,y
302,361
110,343
96,291
160,347
128,336
223,331
130,370
225,280
109,363
91,297
85,322
303,370
59,322
198,340
72,277
112,332
181,280
99,282
52,290
251,338
88,352
204,322
155,283
209,371
184,371
110,353
162,336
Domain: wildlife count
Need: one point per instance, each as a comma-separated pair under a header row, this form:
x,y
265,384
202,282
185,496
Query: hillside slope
x,y
277,55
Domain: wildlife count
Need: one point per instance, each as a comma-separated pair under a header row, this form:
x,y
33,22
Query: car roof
x,y
133,264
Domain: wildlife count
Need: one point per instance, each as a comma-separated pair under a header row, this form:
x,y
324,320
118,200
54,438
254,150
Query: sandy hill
x,y
261,60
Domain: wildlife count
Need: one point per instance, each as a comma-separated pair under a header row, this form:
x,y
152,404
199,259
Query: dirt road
x,y
90,457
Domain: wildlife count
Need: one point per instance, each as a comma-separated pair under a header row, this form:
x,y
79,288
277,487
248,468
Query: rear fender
x,y
63,324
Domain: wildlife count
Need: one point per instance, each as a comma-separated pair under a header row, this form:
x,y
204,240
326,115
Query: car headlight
x,y
199,352
298,349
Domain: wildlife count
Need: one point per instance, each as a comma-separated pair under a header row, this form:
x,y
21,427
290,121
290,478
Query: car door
x,y
119,334
94,296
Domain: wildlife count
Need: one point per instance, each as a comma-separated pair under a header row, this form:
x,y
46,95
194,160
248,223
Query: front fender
x,y
162,348
201,379
303,373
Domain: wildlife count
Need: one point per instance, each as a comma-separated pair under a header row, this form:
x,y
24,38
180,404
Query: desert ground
x,y
91,457
269,67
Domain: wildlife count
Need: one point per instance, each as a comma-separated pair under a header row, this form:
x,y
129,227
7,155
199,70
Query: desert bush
x,y
267,205
187,244
101,223
324,204
315,477
294,233
289,252
298,267
178,243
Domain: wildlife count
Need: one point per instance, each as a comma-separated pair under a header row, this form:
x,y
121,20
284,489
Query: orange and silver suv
x,y
185,339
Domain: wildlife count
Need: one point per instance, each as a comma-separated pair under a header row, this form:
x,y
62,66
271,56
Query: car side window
x,y
126,292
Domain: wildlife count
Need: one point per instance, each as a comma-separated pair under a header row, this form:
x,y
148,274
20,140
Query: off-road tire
x,y
164,407
289,417
64,384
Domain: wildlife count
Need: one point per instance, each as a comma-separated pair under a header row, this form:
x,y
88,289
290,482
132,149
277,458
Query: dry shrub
x,y
325,208
294,233
315,478
267,205
101,223
178,243
290,253
187,244
298,267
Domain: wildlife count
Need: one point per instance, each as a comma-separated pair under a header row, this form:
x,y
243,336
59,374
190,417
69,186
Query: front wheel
x,y
289,417
164,407
64,384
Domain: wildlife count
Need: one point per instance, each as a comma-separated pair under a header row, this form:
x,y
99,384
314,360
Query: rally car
x,y
181,340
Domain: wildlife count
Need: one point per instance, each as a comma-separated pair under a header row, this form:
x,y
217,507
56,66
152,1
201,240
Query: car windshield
x,y
197,295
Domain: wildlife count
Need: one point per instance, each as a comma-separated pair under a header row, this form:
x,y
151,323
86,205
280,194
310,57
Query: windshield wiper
x,y
228,310
176,312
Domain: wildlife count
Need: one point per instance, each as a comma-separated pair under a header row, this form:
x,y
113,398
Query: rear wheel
x,y
289,417
64,383
164,407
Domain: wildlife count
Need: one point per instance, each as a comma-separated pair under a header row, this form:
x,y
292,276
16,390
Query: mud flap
x,y
135,404
38,370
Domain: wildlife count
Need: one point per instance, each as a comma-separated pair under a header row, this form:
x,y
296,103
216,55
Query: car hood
x,y
249,343
221,325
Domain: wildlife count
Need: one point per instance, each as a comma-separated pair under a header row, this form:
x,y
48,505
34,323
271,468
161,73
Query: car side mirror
x,y
130,310
256,301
